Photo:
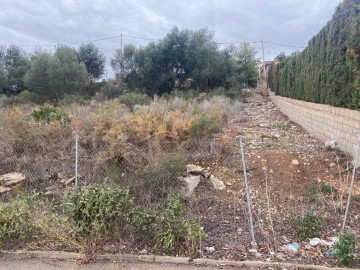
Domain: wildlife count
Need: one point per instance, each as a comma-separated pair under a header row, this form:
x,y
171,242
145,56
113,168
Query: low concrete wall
x,y
323,121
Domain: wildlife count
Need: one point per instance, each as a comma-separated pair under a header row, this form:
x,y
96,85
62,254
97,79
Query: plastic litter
x,y
315,241
331,252
331,144
292,247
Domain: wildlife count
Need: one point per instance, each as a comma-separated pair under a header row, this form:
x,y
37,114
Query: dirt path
x,y
50,264
290,173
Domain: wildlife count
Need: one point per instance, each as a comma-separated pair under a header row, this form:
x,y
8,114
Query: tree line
x,y
328,70
183,59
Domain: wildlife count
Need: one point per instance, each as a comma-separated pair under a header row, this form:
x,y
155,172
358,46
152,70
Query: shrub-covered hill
x,y
328,69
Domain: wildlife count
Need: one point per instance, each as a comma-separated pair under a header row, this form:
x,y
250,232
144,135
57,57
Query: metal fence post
x,y
352,181
76,158
253,242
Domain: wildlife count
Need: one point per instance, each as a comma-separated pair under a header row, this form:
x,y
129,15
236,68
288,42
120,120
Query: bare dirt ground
x,y
52,264
290,172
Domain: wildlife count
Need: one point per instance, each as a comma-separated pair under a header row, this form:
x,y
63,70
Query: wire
x,y
284,45
149,39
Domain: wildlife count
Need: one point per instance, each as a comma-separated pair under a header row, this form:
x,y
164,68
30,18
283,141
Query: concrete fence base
x,y
323,121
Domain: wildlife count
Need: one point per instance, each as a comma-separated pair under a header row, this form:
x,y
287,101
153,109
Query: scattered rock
x,y
191,168
190,182
314,241
228,184
258,255
143,252
4,189
210,249
292,197
252,250
206,173
70,180
11,179
332,165
331,145
109,248
218,184
295,162
280,256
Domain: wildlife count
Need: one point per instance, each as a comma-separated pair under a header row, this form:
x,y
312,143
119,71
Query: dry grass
x,y
114,139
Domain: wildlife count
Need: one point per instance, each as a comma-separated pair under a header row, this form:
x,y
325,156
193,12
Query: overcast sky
x,y
49,22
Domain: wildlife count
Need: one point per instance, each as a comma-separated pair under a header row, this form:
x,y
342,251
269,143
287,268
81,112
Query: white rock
x,y
4,189
218,184
191,168
295,162
189,184
210,249
10,179
331,144
252,250
144,251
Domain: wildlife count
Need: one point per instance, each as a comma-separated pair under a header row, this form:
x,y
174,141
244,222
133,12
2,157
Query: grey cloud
x,y
67,21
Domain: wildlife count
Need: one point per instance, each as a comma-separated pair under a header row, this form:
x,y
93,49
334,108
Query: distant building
x,y
267,65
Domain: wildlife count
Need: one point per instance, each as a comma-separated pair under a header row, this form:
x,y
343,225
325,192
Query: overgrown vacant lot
x,y
298,188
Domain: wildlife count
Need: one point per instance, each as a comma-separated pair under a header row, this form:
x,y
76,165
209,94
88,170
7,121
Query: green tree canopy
x,y
52,76
183,58
17,63
93,59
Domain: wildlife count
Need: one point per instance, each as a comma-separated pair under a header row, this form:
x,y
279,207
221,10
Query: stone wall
x,y
323,121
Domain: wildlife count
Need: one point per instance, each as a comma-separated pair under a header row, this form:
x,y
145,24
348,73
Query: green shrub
x,y
173,231
74,99
204,126
345,248
95,207
21,98
132,98
48,114
308,226
184,94
232,93
14,218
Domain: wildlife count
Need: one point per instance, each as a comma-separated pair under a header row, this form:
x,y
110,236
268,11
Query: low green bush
x,y
131,99
173,230
49,114
308,226
74,99
14,218
97,206
204,126
169,227
232,93
345,248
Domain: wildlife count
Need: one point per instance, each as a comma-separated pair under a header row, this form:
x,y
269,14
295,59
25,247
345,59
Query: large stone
x,y
217,184
190,182
4,189
11,179
191,168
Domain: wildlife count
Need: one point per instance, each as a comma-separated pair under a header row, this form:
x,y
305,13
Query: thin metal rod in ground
x,y
76,158
253,242
352,181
